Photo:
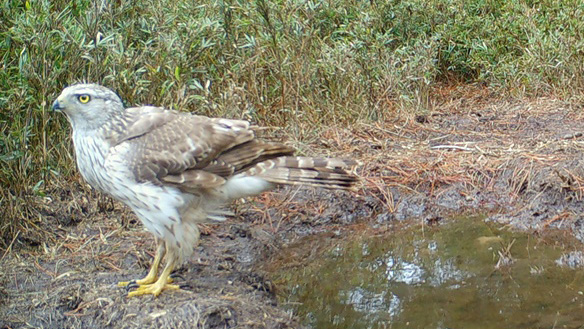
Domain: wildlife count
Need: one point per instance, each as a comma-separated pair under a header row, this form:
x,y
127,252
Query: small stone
x,y
572,135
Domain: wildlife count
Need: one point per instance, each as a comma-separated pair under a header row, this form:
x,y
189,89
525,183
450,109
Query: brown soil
x,y
519,162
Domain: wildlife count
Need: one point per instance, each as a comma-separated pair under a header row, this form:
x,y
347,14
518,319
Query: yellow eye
x,y
84,98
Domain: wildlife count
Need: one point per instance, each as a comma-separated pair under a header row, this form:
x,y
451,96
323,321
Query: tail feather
x,y
321,172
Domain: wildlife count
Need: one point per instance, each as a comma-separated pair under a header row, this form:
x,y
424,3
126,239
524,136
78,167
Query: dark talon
x,y
175,276
132,285
185,286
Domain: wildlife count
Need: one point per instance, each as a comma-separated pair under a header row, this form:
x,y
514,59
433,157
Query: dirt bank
x,y
520,162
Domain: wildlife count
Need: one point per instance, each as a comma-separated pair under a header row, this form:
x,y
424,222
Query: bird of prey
x,y
176,169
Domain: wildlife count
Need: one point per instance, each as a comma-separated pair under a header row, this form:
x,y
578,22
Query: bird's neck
x,y
91,150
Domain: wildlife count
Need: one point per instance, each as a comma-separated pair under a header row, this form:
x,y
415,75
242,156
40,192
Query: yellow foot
x,y
153,289
146,285
141,282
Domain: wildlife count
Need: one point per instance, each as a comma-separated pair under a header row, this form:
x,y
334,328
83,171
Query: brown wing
x,y
190,151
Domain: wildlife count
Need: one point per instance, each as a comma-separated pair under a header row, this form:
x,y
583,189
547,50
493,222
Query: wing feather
x,y
191,151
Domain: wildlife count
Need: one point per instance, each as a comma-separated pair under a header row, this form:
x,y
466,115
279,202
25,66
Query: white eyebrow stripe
x,y
82,92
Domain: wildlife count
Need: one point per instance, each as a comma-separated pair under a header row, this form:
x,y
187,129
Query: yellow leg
x,y
153,273
161,284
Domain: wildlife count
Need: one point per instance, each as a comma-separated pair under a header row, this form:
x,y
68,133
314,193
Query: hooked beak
x,y
56,106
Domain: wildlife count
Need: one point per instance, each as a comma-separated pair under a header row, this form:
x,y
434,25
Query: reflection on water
x,y
443,277
398,270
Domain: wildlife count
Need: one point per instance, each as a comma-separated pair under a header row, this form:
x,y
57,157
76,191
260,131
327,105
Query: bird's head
x,y
88,106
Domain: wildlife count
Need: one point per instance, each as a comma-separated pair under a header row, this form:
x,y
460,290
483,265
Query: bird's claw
x,y
132,285
175,275
185,286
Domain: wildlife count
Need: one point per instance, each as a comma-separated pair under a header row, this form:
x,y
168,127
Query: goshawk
x,y
175,170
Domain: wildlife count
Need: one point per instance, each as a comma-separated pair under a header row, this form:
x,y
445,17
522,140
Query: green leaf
x,y
177,73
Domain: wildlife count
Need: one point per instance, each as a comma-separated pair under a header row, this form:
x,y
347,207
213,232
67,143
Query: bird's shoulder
x,y
147,122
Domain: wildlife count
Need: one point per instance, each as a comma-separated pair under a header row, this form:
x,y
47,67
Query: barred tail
x,y
328,173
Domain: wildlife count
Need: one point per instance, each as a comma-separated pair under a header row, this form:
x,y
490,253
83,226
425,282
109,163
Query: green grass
x,y
290,63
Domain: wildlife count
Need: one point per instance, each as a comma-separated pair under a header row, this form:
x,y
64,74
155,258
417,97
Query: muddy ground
x,y
519,162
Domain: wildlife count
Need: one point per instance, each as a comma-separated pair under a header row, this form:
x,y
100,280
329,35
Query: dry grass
x,y
473,142
513,151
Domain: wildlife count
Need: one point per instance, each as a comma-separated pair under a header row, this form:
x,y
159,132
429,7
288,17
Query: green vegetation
x,y
287,63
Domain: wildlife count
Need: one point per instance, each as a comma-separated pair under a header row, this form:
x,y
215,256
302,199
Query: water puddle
x,y
461,274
